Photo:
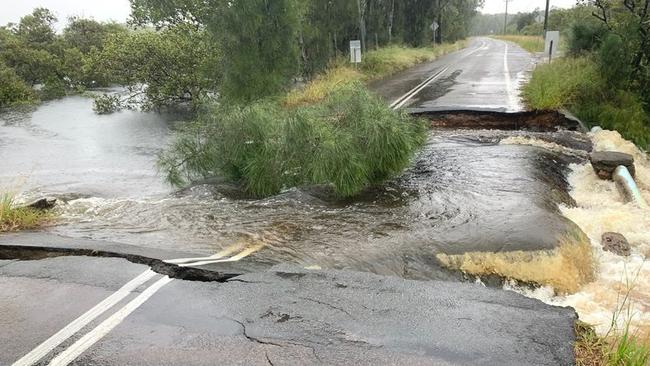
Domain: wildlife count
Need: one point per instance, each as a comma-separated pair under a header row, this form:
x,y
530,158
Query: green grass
x,y
389,60
349,141
577,85
377,64
613,350
532,44
618,347
14,218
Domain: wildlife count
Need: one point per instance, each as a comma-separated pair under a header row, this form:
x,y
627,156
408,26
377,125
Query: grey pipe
x,y
628,187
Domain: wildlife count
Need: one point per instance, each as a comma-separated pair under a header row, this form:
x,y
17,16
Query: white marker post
x,y
434,27
355,52
551,44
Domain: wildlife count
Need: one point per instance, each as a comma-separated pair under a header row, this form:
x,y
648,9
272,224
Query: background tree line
x,y
185,51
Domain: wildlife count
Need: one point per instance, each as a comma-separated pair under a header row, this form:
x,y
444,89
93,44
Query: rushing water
x,y
464,192
622,287
468,190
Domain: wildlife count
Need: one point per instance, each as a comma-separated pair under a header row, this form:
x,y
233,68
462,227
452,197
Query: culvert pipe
x,y
628,186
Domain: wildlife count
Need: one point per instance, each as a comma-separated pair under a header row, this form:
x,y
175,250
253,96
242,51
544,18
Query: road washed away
x,y
621,291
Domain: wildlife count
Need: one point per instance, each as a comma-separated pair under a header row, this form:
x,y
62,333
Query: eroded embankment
x,y
621,291
540,121
607,290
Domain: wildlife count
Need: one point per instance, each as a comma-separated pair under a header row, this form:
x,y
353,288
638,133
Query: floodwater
x,y
620,295
467,190
464,192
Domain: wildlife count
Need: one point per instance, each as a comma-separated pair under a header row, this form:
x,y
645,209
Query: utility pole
x,y
505,23
546,17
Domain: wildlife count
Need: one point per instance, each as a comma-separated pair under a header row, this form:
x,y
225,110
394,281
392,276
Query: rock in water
x,y
616,243
605,162
43,204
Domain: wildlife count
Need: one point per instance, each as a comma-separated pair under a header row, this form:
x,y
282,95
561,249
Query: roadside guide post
x,y
551,44
434,28
355,52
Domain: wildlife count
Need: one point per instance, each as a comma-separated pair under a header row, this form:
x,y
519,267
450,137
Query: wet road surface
x,y
484,76
466,191
283,316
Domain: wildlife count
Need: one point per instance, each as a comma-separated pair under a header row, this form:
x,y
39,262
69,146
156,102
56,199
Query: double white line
x,y
75,350
401,101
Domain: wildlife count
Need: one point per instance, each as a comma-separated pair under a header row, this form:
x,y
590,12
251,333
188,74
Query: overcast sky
x,y
516,6
119,10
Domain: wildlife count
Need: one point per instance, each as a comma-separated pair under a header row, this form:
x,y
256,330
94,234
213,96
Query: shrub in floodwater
x,y
13,89
350,141
106,104
19,218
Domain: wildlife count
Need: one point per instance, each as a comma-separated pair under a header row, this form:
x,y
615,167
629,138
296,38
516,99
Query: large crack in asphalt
x,y
19,252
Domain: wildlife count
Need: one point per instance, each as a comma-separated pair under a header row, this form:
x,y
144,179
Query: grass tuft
x,y
14,218
565,268
376,64
531,44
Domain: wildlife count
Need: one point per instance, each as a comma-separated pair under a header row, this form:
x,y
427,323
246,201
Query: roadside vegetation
x,y
15,218
621,345
604,79
350,140
533,44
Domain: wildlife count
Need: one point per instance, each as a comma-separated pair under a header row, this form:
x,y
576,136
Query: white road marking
x,y
68,331
243,254
513,103
85,342
224,253
401,101
406,97
506,70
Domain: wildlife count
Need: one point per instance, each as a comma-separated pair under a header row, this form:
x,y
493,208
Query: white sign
x,y
552,43
434,26
355,52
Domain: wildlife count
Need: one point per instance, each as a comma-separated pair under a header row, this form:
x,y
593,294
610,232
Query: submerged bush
x,y
350,141
106,104
12,88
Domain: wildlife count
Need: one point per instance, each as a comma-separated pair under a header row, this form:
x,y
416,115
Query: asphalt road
x,y
484,76
59,308
282,316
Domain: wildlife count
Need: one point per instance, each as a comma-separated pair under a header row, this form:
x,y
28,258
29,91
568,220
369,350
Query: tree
x,y
259,38
630,20
167,68
84,34
36,29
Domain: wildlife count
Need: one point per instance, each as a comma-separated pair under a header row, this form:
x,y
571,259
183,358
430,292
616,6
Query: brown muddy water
x,y
466,191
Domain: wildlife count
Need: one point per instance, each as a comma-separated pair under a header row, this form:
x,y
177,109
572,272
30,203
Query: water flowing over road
x,y
468,190
464,192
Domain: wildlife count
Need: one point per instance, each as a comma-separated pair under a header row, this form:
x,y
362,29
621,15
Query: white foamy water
x,y
552,146
601,208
